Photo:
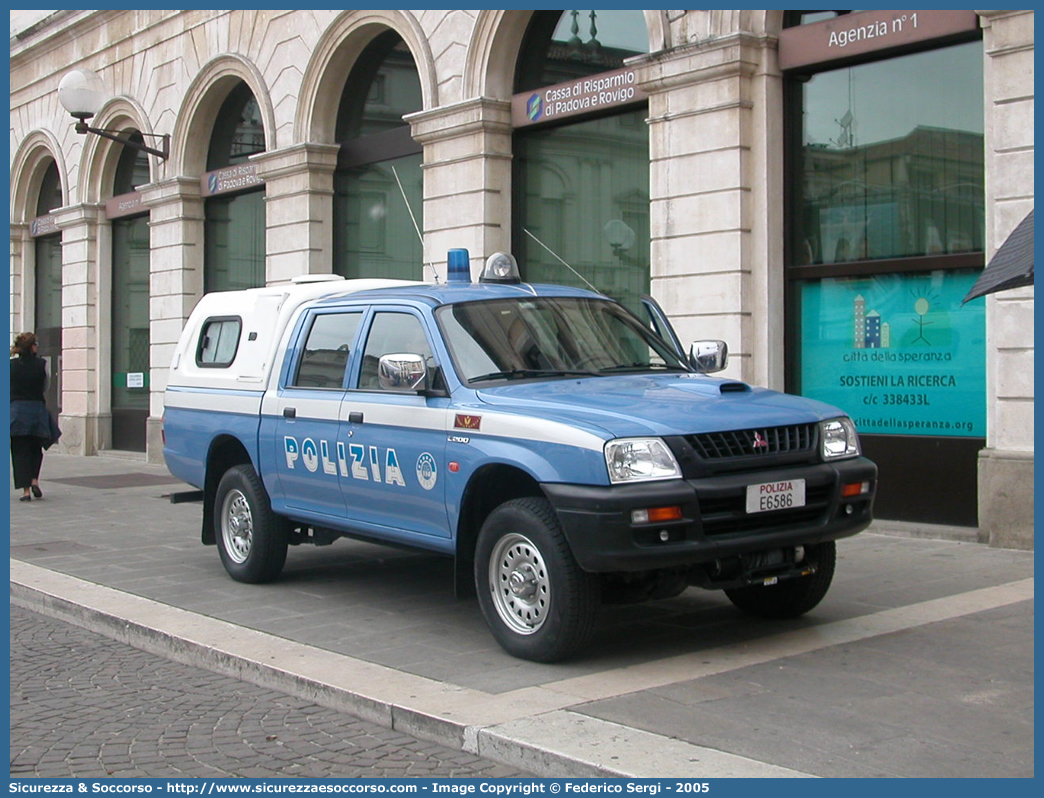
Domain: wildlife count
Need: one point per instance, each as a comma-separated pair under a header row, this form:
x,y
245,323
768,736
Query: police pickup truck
x,y
562,450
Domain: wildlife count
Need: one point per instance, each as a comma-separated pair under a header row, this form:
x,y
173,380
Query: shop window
x,y
378,182
130,306
895,175
234,225
581,187
47,296
886,236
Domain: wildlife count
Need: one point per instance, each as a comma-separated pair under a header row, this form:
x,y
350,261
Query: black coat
x,y
29,415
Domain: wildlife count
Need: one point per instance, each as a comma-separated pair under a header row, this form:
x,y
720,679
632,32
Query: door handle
x,y
355,418
289,412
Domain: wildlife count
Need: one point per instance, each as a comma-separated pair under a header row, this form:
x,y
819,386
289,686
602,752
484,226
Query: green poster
x,y
897,352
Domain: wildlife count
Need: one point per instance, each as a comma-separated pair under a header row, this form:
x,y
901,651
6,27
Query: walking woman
x,y
32,428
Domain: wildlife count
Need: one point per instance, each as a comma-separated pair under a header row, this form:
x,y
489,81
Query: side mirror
x,y
708,357
402,372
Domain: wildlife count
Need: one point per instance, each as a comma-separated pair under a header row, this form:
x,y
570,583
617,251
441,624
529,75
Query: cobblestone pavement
x,y
86,706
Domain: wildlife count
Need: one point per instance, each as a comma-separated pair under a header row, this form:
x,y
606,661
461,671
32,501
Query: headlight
x,y
838,438
639,460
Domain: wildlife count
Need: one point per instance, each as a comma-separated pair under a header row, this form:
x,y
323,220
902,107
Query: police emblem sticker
x,y
427,471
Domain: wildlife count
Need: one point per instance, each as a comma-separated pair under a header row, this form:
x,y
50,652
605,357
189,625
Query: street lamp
x,y
82,93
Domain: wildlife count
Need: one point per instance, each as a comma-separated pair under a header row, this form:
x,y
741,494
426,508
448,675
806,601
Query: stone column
x,y
467,180
1006,464
716,215
175,283
85,428
20,242
298,210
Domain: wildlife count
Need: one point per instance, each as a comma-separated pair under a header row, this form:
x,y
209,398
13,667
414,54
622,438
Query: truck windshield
x,y
550,337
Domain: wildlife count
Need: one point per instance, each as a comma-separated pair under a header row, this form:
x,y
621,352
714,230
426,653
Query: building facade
x,y
820,189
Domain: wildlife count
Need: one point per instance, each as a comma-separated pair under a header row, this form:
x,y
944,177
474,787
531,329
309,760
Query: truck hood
x,y
655,404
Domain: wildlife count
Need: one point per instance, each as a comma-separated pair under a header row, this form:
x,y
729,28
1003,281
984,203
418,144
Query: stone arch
x,y
706,26
27,171
201,105
100,155
489,67
333,58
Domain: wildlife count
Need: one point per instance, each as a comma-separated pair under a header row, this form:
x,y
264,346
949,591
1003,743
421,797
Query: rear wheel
x,y
793,597
537,601
251,539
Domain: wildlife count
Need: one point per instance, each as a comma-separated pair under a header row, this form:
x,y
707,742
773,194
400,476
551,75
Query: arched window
x,y
234,231
581,184
47,293
378,179
129,331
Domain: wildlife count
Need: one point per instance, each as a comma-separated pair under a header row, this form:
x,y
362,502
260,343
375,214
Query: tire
x,y
537,601
251,539
793,597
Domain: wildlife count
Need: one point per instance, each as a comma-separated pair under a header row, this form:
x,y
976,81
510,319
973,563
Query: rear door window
x,y
326,351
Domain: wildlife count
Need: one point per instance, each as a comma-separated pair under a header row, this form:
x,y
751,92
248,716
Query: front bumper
x,y
715,525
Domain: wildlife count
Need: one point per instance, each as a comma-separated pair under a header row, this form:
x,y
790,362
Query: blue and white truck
x,y
562,450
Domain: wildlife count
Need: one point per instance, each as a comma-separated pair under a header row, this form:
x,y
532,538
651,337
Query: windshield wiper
x,y
515,374
642,367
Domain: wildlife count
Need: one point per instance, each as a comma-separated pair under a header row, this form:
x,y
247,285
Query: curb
x,y
531,731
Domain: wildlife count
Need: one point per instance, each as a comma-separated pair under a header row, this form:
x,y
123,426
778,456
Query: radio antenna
x,y
555,256
413,219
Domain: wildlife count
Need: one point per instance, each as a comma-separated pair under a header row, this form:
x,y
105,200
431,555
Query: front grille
x,y
754,442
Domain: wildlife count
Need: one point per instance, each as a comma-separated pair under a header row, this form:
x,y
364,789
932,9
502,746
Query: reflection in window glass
x,y
891,159
391,334
515,339
382,88
584,192
130,311
326,351
564,45
50,191
373,233
132,169
238,130
234,241
48,304
234,227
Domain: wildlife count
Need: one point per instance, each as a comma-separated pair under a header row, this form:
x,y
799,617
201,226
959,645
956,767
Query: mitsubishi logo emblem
x,y
759,442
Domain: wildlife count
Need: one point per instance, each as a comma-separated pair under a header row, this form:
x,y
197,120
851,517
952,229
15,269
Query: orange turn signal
x,y
854,489
656,515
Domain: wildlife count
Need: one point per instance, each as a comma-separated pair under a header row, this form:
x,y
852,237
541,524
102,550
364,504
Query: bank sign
x,y
575,97
898,353
229,179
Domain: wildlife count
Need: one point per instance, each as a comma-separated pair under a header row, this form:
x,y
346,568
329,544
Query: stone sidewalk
x,y
86,706
918,663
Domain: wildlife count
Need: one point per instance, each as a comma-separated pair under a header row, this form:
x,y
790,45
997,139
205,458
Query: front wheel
x,y
793,597
537,601
251,539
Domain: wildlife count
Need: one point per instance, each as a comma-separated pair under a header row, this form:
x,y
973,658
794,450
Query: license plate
x,y
768,496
